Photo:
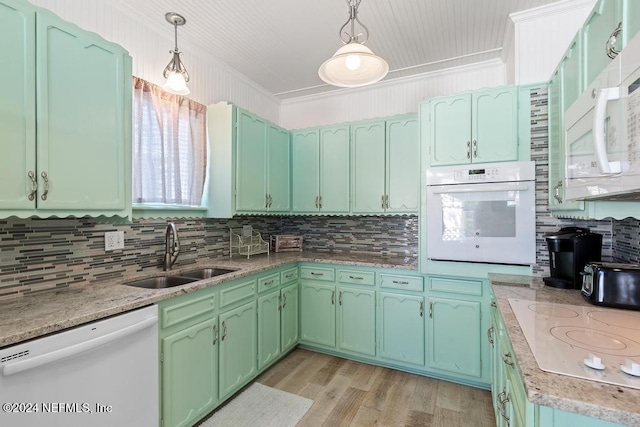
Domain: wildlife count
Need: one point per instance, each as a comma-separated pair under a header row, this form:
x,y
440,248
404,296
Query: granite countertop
x,y
36,315
590,398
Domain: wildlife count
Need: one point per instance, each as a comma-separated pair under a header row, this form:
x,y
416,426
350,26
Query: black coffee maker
x,y
570,249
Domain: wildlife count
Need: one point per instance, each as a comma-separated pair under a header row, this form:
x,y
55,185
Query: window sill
x,y
148,211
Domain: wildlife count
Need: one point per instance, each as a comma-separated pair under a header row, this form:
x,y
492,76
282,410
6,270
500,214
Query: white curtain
x,y
169,146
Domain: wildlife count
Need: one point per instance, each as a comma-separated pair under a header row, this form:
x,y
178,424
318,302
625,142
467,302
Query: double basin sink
x,y
162,282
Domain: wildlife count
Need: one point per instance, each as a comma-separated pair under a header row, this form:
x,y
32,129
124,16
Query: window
x,y
169,147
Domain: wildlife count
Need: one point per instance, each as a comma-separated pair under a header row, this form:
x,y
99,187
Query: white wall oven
x,y
482,213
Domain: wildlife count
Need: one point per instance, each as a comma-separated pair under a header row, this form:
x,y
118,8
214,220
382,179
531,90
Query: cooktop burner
x,y
584,342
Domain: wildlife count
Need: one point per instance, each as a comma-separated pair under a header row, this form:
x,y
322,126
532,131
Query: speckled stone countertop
x,y
590,398
32,316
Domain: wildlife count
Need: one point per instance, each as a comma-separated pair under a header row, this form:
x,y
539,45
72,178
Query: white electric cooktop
x,y
594,343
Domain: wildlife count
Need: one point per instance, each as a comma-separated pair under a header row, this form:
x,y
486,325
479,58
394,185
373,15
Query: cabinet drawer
x,y
237,293
408,283
356,277
266,283
177,313
289,275
456,286
318,273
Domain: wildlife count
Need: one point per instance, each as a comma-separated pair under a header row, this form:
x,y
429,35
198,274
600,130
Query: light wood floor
x,y
348,393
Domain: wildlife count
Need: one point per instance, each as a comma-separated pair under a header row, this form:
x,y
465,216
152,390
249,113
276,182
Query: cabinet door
x,y
401,328
334,169
289,317
318,313
450,130
368,166
596,31
81,102
268,328
494,117
572,81
238,339
357,320
18,105
631,24
251,163
305,172
189,367
278,170
454,336
403,166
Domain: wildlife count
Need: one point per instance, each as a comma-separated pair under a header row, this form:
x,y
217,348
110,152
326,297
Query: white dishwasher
x,y
103,373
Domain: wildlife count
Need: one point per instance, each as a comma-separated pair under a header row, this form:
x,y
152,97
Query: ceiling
x,y
279,44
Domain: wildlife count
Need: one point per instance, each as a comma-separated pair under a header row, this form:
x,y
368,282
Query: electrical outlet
x,y
113,240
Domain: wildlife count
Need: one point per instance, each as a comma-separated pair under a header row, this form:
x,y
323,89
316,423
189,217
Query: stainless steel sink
x,y
206,273
161,282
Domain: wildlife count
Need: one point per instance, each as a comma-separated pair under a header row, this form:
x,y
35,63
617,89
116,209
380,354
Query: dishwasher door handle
x,y
43,359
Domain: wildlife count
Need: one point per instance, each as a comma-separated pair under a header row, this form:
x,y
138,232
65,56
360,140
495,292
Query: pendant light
x,y
175,72
354,64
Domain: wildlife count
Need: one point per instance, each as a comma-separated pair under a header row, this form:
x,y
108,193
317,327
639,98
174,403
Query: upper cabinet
x,y
320,170
385,166
476,127
66,118
248,163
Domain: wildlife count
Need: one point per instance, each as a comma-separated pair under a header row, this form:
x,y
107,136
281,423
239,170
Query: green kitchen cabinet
x,y
356,319
320,170
269,325
189,373
66,117
385,166
238,348
289,331
475,127
317,313
251,163
401,328
597,30
454,336
279,169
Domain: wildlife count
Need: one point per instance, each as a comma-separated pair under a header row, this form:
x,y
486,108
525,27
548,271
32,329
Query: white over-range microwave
x,y
482,213
602,133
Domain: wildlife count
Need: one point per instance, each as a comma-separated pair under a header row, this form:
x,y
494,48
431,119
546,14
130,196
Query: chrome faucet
x,y
171,249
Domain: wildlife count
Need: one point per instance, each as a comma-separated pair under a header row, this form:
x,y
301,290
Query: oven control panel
x,y
486,172
476,175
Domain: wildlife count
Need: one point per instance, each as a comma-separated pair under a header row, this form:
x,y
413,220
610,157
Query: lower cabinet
x,y
454,338
269,325
356,320
289,331
401,328
318,313
238,348
189,373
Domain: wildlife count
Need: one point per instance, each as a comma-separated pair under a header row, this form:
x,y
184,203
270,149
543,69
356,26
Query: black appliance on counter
x,y
570,249
612,285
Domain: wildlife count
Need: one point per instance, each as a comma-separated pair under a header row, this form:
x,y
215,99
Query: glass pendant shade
x,y
175,72
176,84
353,65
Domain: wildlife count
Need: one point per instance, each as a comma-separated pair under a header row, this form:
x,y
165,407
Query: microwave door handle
x,y
599,144
480,188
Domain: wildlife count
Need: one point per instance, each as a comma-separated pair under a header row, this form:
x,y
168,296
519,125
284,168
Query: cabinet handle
x,y
386,204
502,405
475,149
269,282
266,200
382,201
556,191
356,278
468,149
612,52
421,308
320,202
288,276
284,300
215,334
340,298
494,304
507,359
270,200
431,310
333,297
317,206
400,282
34,185
46,185
224,331
280,306
313,273
490,335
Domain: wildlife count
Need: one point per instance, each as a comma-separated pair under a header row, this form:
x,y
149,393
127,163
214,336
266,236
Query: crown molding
x,y
550,10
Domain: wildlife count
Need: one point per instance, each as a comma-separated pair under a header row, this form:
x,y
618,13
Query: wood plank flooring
x,y
348,393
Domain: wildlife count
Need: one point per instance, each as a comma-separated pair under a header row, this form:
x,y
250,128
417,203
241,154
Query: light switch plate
x,y
113,240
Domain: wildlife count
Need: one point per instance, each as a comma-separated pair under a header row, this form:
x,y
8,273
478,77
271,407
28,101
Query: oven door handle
x,y
64,353
480,188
